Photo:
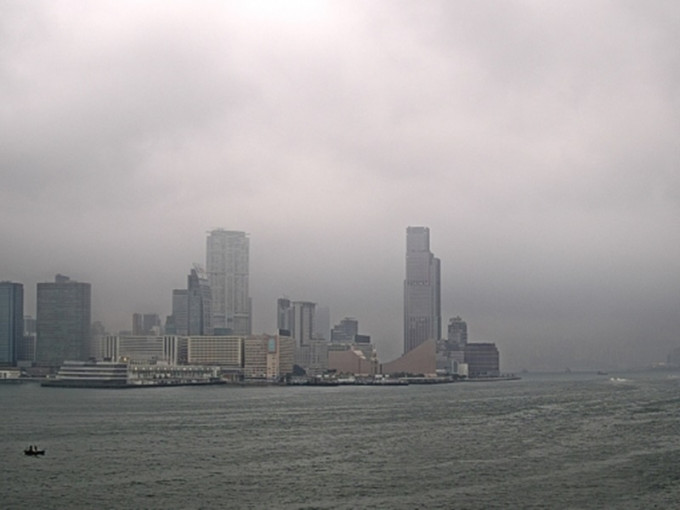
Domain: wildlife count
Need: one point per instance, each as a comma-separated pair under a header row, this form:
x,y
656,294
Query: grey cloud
x,y
538,142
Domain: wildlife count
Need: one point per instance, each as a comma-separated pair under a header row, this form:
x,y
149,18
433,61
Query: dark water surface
x,y
560,441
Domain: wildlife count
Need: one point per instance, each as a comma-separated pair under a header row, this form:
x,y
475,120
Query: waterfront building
x,y
171,375
422,290
482,359
358,357
167,349
63,321
222,351
267,357
227,263
11,322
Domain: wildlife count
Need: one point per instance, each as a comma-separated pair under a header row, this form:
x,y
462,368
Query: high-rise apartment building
x,y
63,321
11,321
422,290
227,263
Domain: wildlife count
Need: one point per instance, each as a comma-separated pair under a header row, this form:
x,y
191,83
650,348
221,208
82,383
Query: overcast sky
x,y
539,141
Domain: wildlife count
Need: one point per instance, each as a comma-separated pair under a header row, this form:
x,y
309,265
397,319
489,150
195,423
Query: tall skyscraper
x,y
63,321
322,322
200,303
192,307
303,322
227,262
11,321
284,316
422,290
297,319
179,323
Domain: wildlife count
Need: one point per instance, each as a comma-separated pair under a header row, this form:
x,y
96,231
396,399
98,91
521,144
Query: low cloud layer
x,y
539,142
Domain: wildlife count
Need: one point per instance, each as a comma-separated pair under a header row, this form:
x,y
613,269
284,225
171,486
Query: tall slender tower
x,y
63,321
199,296
422,290
227,263
284,316
303,322
11,321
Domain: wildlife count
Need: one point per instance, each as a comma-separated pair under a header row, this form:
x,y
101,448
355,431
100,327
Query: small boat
x,y
34,452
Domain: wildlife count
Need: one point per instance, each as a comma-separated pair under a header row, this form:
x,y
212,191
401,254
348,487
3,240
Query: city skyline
x,y
538,142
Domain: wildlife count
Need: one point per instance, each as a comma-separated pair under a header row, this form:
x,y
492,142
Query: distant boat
x,y
33,452
601,372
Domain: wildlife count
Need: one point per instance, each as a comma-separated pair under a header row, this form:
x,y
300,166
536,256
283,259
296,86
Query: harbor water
x,y
546,441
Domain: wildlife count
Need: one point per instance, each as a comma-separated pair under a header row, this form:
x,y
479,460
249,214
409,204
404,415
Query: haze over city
x,y
539,142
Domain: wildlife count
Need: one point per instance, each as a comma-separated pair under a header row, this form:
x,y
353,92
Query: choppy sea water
x,y
560,441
